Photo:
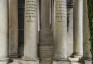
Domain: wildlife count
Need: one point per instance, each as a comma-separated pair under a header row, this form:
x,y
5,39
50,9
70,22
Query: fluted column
x,y
86,33
60,29
3,30
78,28
30,30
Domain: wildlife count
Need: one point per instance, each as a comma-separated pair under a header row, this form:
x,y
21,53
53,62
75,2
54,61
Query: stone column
x,y
60,30
13,28
30,30
86,33
3,31
78,28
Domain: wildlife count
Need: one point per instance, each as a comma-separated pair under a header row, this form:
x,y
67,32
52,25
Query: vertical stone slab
x,y
70,32
46,34
13,28
30,30
60,30
78,27
86,33
3,31
87,56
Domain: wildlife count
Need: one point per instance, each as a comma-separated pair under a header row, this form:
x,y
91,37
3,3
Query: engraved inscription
x,y
60,6
30,10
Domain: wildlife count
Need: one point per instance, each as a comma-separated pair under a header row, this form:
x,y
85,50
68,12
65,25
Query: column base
x,y
30,62
4,60
30,59
21,61
78,56
88,61
61,61
75,60
77,63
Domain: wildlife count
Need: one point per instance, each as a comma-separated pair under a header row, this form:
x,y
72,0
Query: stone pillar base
x,y
87,61
77,63
30,62
61,62
3,62
20,61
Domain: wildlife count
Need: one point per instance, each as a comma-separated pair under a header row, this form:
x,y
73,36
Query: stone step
x,y
14,63
45,62
77,63
74,59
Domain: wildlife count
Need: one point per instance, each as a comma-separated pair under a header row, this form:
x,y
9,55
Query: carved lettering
x,y
30,10
60,10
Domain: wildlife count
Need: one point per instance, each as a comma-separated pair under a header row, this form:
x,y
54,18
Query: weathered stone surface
x,y
78,27
3,29
20,61
14,63
73,59
3,62
86,33
70,32
13,28
46,33
77,63
61,62
29,62
88,62
30,30
60,29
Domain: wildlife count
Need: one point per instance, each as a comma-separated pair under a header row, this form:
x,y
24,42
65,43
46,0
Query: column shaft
x,y
13,28
60,29
78,27
30,30
3,29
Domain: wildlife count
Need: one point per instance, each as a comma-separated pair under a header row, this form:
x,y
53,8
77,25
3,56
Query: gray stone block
x,y
3,62
88,62
20,61
61,62
14,63
77,63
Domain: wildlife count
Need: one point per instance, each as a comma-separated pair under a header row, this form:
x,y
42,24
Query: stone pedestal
x,y
61,62
29,62
3,62
77,63
20,61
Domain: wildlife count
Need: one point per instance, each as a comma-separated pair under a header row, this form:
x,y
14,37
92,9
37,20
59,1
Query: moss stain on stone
x,y
90,16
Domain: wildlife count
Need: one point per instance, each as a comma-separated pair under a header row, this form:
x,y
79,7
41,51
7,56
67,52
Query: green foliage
x,y
90,15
